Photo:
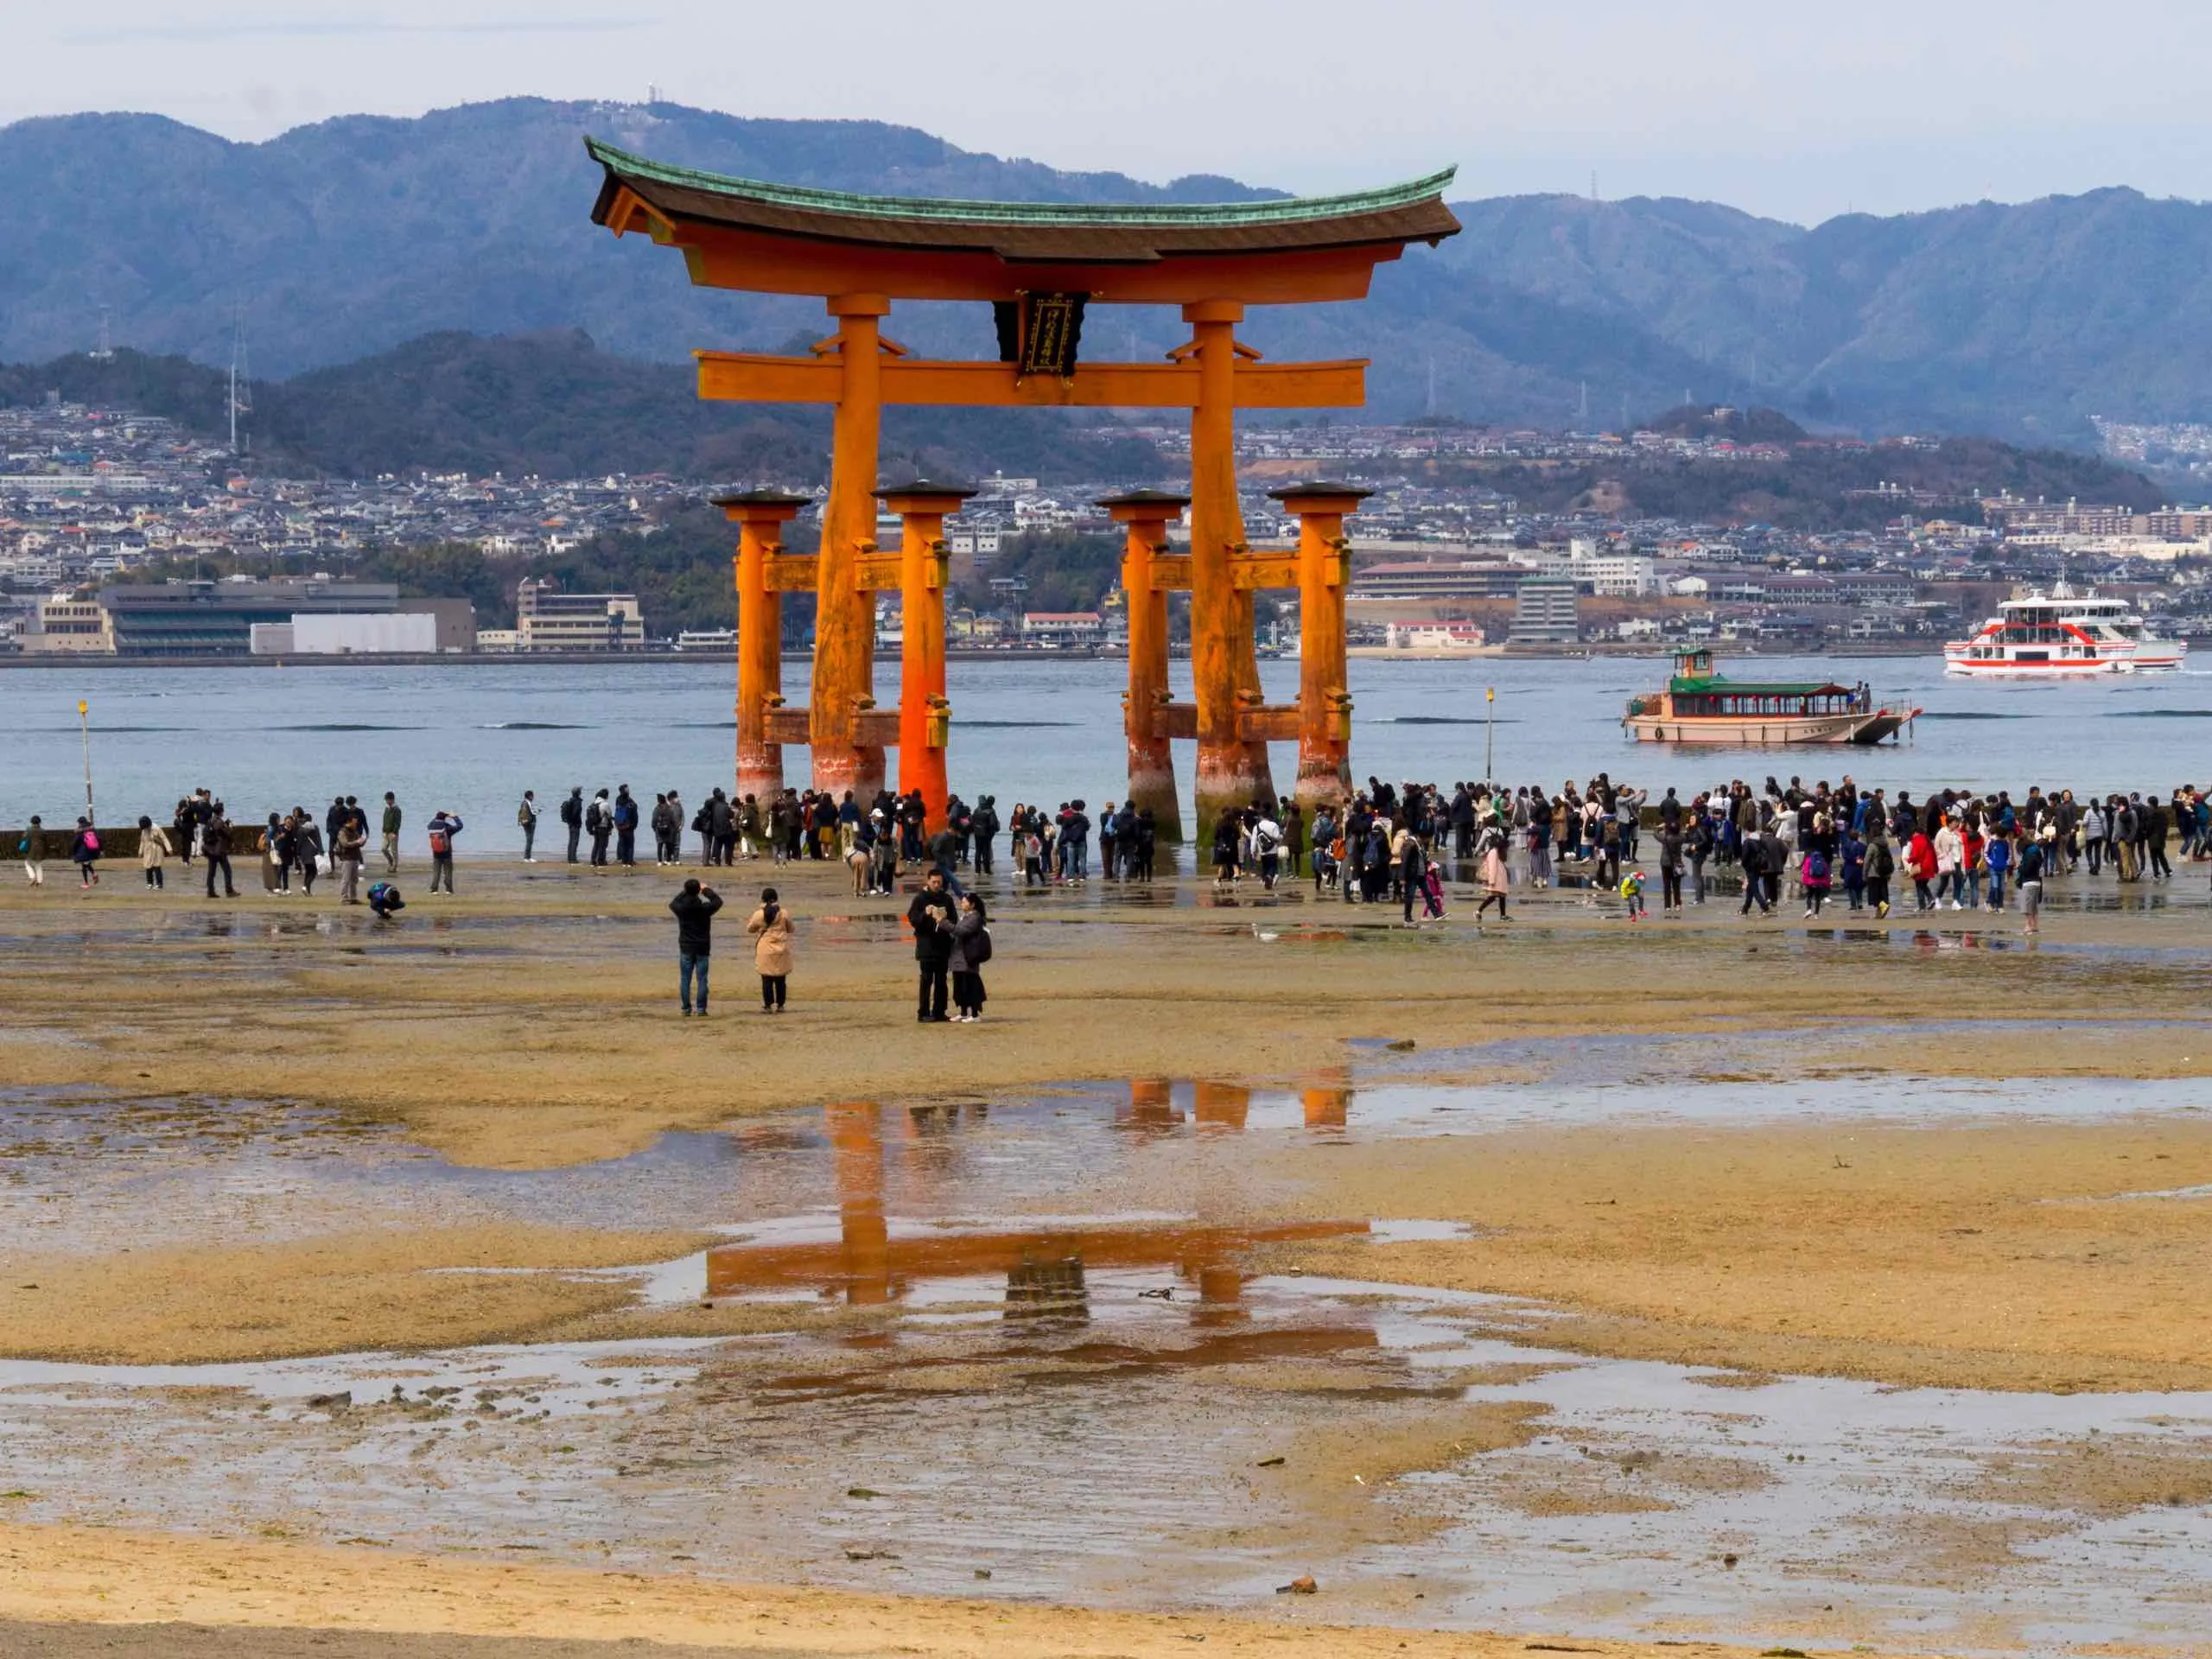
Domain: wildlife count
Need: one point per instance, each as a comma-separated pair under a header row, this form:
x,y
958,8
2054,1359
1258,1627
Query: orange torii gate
x,y
1039,265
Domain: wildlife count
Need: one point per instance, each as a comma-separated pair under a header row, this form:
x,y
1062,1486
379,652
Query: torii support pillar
x,y
760,516
1324,701
925,716
844,608
1224,665
1148,572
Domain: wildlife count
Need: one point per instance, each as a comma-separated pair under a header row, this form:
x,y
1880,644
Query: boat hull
x,y
1773,731
2166,659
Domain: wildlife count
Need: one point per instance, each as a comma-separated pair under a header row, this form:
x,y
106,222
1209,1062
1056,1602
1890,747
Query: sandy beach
x,y
1923,1154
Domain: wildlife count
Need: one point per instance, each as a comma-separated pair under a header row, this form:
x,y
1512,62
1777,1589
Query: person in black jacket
x,y
933,918
215,845
983,824
694,909
572,817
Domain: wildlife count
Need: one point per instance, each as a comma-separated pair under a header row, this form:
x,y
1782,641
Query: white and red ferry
x,y
2062,636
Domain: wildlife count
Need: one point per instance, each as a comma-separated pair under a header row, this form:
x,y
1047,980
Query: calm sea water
x,y
472,738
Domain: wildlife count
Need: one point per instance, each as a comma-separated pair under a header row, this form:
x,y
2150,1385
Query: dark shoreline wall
x,y
120,843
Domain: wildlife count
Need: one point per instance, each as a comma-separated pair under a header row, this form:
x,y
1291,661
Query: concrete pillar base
x,y
841,768
760,773
1230,778
1152,786
1322,780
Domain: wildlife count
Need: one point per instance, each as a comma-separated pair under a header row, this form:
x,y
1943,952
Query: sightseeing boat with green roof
x,y
1698,706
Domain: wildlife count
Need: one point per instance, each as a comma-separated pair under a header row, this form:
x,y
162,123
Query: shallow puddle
x,y
1027,1338
1144,1449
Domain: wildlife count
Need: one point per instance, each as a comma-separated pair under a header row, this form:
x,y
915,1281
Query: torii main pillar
x,y
1149,573
1224,661
925,716
1324,701
844,613
760,516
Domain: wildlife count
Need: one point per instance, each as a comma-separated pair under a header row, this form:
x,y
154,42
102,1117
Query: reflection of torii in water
x,y
870,1266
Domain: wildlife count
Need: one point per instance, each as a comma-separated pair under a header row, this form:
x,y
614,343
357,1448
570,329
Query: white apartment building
x,y
1613,575
64,624
548,619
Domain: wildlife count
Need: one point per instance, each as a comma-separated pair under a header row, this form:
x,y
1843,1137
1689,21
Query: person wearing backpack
x,y
1851,862
572,819
526,816
1997,858
1267,845
84,854
972,949
1881,865
443,827
1814,877
598,824
307,848
772,930
983,825
32,850
215,848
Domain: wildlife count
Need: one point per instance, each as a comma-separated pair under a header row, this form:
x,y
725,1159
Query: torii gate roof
x,y
931,248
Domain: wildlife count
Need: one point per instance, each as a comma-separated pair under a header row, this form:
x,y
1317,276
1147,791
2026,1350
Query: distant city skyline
x,y
1800,114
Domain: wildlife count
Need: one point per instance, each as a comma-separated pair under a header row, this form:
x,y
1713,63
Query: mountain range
x,y
346,238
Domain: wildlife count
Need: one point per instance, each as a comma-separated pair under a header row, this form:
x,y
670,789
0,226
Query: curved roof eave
x,y
1414,194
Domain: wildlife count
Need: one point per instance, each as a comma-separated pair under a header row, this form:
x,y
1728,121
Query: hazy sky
x,y
1798,110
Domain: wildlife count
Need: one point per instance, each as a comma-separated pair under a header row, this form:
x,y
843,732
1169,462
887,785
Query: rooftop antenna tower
x,y
1429,409
106,353
241,393
1582,419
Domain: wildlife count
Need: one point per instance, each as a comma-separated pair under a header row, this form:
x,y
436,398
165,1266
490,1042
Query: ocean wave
x,y
342,726
530,726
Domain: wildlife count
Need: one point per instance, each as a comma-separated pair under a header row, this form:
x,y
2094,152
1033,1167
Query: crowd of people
x,y
1957,849
1398,845
1841,844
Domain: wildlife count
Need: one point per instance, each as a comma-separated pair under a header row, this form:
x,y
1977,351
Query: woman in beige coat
x,y
772,931
154,850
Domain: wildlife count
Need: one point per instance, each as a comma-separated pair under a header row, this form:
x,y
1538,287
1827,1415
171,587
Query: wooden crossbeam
x,y
790,725
873,571
1175,720
1266,569
746,376
789,573
1268,723
876,729
1171,573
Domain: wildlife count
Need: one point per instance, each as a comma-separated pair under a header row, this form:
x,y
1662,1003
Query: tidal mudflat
x,y
1705,1283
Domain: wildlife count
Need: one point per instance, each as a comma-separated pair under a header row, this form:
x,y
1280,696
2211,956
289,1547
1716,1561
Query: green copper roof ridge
x,y
1281,211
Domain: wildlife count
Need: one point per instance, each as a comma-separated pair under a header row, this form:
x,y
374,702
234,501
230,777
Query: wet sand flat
x,y
875,1304
83,1592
